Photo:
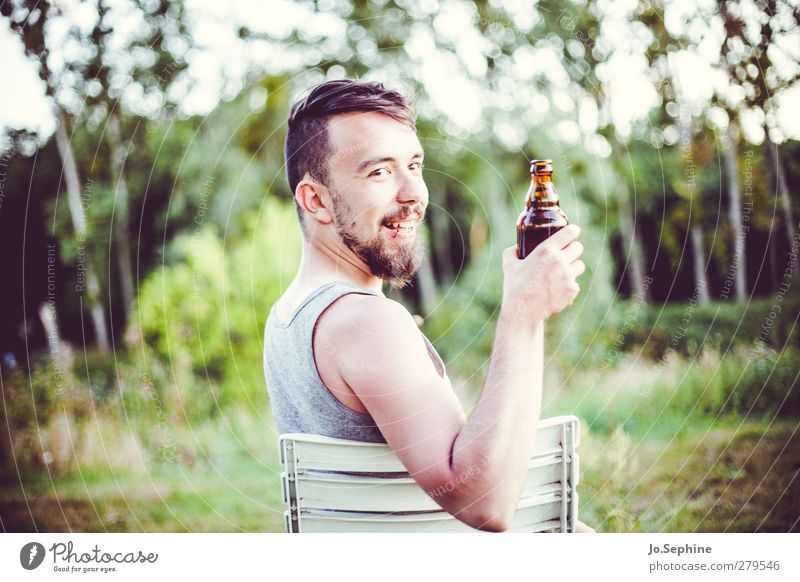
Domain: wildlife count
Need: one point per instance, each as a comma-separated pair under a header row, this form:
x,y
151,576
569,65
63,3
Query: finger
x,y
577,268
573,251
564,236
509,253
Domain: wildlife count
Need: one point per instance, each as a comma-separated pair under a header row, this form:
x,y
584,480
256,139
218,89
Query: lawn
x,y
740,478
732,479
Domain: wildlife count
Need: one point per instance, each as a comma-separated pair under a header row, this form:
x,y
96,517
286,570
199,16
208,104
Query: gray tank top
x,y
300,401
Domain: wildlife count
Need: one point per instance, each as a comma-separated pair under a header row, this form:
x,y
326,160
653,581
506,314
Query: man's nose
x,y
412,189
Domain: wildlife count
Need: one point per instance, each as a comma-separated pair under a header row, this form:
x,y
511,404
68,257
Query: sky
x,y
218,68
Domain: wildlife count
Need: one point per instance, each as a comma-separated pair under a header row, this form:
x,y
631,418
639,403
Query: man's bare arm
x,y
499,436
473,468
491,452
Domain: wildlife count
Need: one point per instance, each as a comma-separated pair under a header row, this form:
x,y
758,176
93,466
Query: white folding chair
x,y
330,485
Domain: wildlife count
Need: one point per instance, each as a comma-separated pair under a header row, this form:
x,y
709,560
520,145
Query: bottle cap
x,y
541,166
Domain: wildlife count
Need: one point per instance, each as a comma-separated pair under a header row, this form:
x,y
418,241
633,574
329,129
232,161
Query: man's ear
x,y
313,198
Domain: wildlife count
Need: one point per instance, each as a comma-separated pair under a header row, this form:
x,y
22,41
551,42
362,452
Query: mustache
x,y
418,212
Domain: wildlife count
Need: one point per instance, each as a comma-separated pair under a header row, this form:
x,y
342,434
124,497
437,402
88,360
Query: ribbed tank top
x,y
299,399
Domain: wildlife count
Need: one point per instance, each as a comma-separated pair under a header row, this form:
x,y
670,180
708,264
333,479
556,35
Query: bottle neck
x,y
542,189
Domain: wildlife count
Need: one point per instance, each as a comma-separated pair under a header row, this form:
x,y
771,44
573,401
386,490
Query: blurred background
x,y
146,228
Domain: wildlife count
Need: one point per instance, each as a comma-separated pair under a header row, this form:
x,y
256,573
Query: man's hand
x,y
544,282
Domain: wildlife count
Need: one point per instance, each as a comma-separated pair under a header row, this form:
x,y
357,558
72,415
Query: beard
x,y
395,265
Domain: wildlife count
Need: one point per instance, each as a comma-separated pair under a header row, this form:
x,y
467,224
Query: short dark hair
x,y
307,146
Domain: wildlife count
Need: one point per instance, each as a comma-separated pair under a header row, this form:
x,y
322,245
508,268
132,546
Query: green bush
x,y
677,394
688,328
203,313
98,371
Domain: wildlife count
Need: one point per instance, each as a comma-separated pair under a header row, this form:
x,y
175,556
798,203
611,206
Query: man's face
x,y
379,196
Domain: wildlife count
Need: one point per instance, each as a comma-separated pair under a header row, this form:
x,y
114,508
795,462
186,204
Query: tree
x,y
28,18
748,56
583,54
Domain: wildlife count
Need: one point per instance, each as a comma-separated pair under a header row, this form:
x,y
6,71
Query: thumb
x,y
510,253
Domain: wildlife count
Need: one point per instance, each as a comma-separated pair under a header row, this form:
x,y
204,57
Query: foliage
x,y
676,395
203,312
690,329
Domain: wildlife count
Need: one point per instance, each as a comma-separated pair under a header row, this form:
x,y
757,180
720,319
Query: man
x,y
344,361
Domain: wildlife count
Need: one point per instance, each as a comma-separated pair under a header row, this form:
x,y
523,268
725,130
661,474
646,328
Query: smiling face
x,y
377,192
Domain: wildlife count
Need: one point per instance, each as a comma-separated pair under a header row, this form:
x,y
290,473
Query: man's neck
x,y
321,264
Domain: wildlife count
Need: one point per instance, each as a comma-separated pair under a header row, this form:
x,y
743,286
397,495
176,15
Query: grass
x,y
224,477
734,479
706,444
240,496
678,445
730,479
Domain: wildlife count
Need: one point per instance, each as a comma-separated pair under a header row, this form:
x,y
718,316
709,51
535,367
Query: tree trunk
x,y
502,218
79,222
695,232
635,268
428,292
47,314
739,265
440,246
634,261
775,168
701,282
121,213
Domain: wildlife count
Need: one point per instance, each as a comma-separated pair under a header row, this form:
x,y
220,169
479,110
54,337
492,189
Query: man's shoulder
x,y
356,312
364,308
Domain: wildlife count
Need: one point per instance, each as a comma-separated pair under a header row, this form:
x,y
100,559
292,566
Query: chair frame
x,y
327,481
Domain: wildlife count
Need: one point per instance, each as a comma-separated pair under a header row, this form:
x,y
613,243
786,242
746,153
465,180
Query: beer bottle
x,y
542,216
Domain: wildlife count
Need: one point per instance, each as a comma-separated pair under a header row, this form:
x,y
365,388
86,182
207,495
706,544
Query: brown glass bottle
x,y
542,217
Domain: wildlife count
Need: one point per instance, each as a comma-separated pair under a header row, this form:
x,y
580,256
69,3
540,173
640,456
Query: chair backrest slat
x,y
535,516
315,452
370,493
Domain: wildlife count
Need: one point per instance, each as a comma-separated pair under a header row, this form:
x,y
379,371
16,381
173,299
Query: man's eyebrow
x,y
363,165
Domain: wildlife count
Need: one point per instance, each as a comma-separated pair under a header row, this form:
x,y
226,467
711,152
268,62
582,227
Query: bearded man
x,y
343,360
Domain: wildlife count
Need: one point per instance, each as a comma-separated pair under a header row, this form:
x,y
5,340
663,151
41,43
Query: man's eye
x,y
416,166
380,172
